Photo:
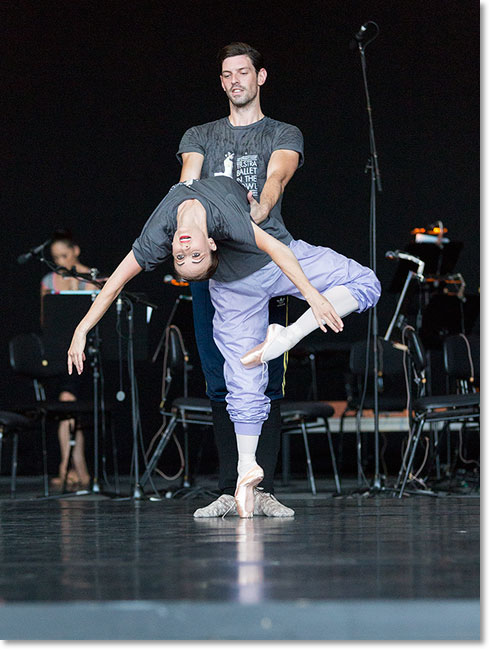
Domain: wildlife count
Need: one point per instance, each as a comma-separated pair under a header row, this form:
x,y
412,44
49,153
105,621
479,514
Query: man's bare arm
x,y
282,165
289,265
191,166
126,270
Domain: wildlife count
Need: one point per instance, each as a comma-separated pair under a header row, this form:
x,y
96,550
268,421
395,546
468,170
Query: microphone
x,y
400,255
25,257
118,306
359,36
395,255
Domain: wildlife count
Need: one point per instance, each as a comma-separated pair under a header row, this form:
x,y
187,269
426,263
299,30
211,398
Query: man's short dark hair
x,y
208,273
238,48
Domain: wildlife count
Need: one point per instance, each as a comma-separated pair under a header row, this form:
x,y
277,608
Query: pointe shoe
x,y
244,493
254,357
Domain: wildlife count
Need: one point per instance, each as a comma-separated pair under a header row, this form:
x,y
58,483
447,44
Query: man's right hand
x,y
257,212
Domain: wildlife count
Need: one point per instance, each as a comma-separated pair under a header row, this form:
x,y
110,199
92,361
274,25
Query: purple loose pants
x,y
242,317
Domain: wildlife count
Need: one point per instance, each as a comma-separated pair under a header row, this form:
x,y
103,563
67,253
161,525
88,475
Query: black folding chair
x,y
183,410
29,359
12,425
431,409
300,417
462,362
392,396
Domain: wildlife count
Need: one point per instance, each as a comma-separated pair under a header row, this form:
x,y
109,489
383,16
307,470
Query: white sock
x,y
247,446
342,301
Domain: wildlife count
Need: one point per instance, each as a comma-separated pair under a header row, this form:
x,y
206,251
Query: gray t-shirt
x,y
228,222
242,152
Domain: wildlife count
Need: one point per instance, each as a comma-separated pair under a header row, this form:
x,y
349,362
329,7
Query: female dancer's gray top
x,y
228,222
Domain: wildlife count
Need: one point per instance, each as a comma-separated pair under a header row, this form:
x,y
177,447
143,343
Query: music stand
x,y
438,261
446,315
63,310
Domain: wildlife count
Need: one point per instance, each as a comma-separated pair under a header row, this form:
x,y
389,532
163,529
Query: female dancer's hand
x,y
76,354
324,312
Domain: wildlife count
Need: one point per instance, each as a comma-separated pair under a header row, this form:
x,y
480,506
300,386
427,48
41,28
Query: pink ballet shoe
x,y
254,357
244,493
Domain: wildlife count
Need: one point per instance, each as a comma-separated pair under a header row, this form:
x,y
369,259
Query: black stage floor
x,y
350,567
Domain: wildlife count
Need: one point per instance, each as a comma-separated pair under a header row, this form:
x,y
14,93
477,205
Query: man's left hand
x,y
257,211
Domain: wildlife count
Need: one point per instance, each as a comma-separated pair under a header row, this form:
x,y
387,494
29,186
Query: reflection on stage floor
x,y
335,550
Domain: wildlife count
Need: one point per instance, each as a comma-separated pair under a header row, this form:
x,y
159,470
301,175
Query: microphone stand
x,y
375,186
169,320
135,413
397,320
129,299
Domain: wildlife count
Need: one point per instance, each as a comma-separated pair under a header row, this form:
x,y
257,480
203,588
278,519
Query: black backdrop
x,y
98,94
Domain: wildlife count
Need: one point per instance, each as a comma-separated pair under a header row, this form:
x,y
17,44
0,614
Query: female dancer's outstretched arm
x,y
126,270
285,259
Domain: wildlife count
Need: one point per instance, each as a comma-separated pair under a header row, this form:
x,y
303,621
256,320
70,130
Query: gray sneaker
x,y
267,504
225,504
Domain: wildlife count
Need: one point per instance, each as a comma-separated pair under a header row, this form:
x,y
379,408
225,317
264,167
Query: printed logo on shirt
x,y
246,172
227,165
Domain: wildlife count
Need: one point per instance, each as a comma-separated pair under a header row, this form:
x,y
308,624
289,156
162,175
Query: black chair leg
x,y
434,455
309,466
186,479
152,463
45,456
359,453
341,440
73,442
404,459
332,455
115,465
414,445
13,480
438,457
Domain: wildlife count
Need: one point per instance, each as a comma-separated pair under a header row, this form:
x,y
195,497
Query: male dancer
x,y
255,265
262,154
